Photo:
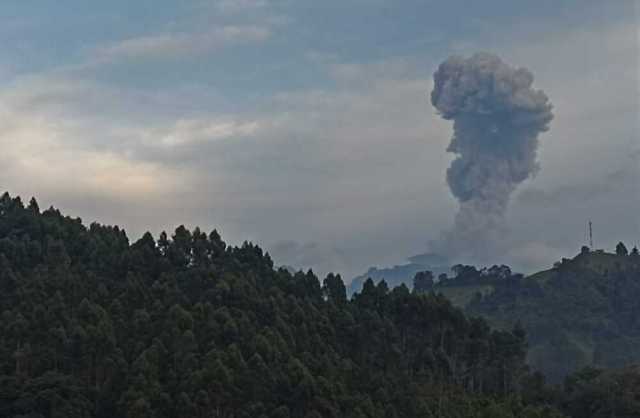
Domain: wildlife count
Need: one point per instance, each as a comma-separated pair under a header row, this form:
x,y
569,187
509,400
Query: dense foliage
x,y
599,393
93,326
583,312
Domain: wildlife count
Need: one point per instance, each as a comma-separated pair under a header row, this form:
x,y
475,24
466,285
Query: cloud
x,y
36,159
191,131
60,143
556,216
321,258
607,185
534,256
359,74
349,166
239,6
175,45
497,118
45,151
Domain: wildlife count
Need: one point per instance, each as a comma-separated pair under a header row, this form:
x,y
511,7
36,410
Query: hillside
x,y
583,312
187,326
604,393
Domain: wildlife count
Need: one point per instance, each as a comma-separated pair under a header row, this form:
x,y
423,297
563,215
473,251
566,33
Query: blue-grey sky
x,y
305,125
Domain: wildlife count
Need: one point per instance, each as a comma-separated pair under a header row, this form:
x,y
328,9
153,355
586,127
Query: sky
x,y
306,126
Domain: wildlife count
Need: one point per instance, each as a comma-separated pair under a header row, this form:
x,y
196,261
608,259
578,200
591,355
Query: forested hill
x,y
94,326
584,311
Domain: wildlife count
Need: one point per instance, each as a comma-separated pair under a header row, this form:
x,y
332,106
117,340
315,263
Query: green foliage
x,y
601,394
93,326
585,311
423,281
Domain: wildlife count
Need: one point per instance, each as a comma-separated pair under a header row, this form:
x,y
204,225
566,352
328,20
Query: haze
x,y
306,126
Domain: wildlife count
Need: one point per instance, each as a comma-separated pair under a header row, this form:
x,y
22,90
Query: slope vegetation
x,y
583,312
187,326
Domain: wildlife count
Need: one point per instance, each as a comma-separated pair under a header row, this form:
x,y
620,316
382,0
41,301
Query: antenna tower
x,y
590,235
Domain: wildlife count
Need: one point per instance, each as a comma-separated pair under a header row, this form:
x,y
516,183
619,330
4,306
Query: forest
x,y
583,312
184,325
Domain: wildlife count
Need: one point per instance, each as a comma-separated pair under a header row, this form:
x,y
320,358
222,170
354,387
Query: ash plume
x,y
497,117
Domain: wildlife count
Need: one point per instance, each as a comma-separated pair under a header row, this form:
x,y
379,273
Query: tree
x,y
33,206
94,326
334,289
621,249
423,282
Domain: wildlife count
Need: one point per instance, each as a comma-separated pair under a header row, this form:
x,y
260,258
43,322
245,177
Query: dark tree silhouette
x,y
621,249
186,326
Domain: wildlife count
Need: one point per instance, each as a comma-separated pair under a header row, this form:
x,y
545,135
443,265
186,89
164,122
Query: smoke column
x,y
497,118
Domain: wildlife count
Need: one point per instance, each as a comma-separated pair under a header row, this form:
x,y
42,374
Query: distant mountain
x,y
402,274
584,311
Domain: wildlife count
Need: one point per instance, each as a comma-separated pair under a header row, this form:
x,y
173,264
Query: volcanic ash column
x,y
497,118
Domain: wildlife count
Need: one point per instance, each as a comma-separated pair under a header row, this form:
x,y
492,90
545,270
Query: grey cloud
x,y
594,186
497,117
549,223
313,163
615,181
239,6
360,166
176,45
310,255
